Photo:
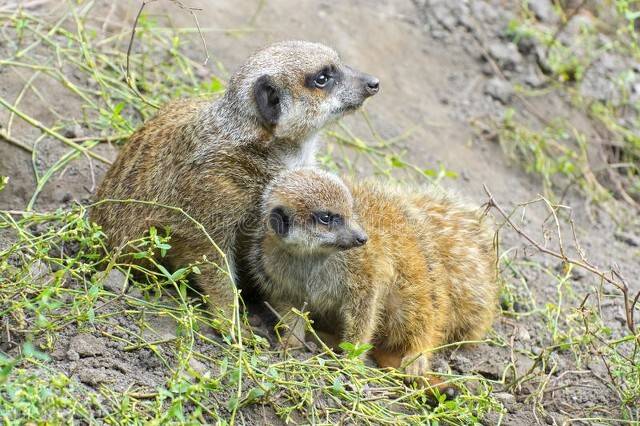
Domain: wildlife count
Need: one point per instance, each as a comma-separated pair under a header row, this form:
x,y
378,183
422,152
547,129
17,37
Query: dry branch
x,y
181,5
612,277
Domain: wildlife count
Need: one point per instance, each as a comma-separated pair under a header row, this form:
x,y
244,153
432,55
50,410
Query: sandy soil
x,y
429,56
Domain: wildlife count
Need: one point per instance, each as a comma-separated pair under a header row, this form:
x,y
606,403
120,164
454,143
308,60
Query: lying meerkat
x,y
403,269
214,159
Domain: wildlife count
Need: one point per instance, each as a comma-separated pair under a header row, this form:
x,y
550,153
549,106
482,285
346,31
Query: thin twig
x,y
67,141
192,11
295,325
181,5
15,142
279,317
133,34
613,277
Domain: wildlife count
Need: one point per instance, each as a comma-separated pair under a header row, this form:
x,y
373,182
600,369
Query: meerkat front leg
x,y
218,287
360,315
417,364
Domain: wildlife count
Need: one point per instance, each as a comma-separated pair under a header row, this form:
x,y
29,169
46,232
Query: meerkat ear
x,y
267,98
279,221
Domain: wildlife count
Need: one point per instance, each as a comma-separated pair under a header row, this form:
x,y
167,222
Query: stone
x,y
523,365
527,45
506,399
72,355
59,354
114,280
523,334
627,238
499,90
542,9
93,376
198,366
76,131
533,79
38,269
86,345
506,55
443,15
160,328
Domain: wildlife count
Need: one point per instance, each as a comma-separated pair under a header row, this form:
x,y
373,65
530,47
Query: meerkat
x,y
406,270
212,159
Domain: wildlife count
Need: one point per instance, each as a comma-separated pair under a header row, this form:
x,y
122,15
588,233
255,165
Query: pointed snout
x,y
352,239
371,84
360,238
365,85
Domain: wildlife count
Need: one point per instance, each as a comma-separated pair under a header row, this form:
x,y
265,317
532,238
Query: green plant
x,y
557,150
54,265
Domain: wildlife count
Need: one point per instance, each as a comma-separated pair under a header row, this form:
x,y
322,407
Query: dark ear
x,y
267,98
279,221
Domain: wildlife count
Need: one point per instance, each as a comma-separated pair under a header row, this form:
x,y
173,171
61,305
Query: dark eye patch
x,y
324,79
279,221
327,218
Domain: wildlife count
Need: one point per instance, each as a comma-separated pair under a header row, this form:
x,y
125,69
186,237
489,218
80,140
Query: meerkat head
x,y
310,211
296,87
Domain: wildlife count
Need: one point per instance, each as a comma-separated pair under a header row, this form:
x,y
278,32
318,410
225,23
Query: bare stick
x,y
192,11
277,314
613,277
15,142
52,133
181,5
133,34
295,324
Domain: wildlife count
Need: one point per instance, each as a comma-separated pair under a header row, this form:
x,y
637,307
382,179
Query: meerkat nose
x,y
361,239
372,86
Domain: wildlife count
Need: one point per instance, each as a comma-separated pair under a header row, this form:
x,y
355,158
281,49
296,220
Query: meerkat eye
x,y
321,80
324,218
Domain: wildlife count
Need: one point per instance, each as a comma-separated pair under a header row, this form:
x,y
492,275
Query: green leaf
x,y
140,255
253,395
224,365
117,110
232,404
216,85
631,16
179,274
31,351
337,385
93,291
165,272
346,346
354,351
396,162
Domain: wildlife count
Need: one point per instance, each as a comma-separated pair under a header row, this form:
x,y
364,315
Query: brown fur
x,y
426,276
214,159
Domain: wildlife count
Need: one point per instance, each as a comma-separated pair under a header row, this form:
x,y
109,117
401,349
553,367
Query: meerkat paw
x,y
418,366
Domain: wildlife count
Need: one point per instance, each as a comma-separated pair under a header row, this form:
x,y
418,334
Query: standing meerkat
x,y
214,159
404,270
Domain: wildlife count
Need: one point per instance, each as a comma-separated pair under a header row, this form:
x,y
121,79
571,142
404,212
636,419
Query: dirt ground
x,y
430,57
